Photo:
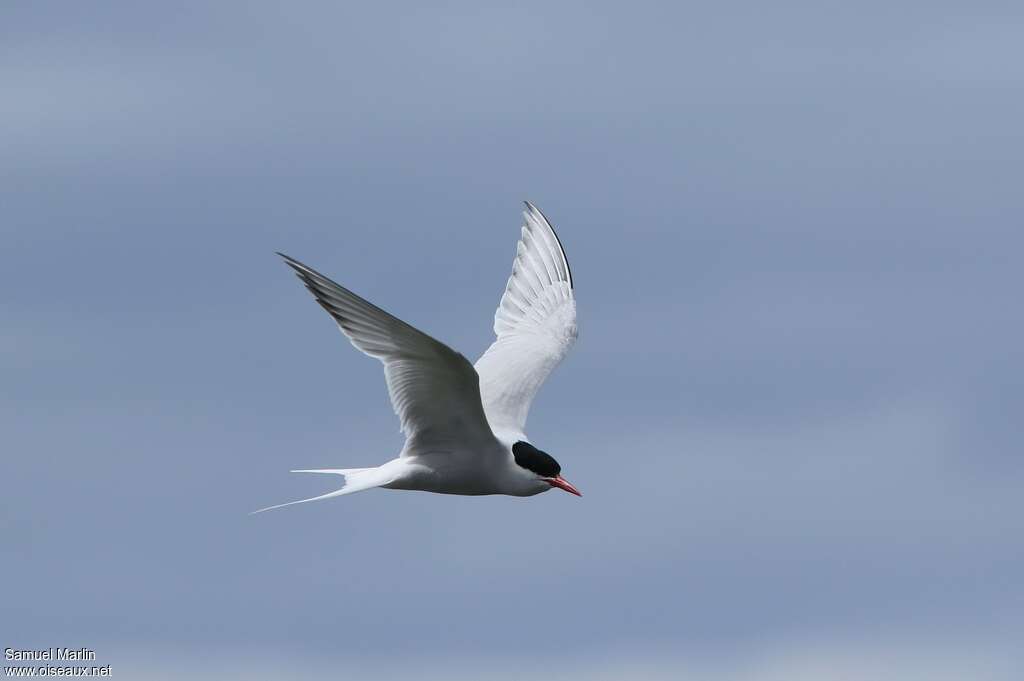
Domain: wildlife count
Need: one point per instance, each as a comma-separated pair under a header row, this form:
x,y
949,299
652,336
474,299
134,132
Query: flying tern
x,y
464,424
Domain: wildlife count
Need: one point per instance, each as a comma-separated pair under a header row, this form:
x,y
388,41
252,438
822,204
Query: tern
x,y
464,424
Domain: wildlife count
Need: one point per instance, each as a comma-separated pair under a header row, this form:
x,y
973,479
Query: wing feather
x,y
535,325
434,390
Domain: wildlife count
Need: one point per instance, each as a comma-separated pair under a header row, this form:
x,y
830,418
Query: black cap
x,y
532,459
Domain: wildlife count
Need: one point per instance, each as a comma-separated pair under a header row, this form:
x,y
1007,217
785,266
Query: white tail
x,y
356,480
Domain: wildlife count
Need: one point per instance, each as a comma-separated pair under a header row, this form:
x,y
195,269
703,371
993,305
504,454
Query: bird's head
x,y
542,465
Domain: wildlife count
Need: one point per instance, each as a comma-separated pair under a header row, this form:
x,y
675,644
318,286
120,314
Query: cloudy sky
x,y
794,409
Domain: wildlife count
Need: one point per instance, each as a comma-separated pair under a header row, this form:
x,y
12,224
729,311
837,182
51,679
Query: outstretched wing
x,y
535,324
435,391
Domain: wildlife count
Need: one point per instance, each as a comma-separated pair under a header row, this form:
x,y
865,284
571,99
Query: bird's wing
x,y
535,325
434,390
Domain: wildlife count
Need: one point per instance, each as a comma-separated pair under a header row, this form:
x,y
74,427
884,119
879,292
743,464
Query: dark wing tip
x,y
290,261
565,259
306,273
303,271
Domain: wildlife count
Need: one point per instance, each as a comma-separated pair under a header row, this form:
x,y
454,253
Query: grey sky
x,y
794,409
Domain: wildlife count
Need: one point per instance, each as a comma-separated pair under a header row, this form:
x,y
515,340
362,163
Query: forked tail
x,y
356,480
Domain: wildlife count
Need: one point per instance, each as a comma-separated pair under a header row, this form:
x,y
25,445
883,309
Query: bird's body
x,y
464,425
463,472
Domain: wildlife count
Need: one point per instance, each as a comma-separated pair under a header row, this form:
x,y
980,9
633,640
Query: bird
x,y
464,424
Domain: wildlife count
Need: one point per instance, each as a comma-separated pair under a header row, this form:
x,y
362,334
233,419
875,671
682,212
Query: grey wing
x,y
535,325
434,390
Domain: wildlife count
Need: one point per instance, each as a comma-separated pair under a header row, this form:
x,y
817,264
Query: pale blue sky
x,y
794,409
